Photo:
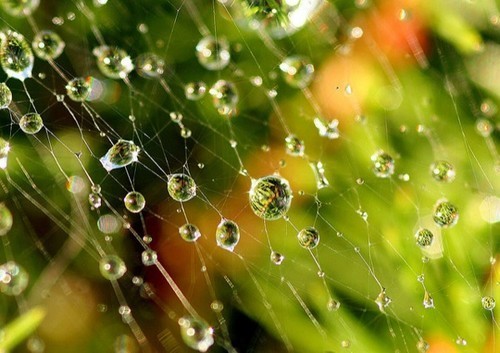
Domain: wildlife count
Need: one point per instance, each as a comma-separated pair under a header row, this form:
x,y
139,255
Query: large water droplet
x,y
48,45
134,202
298,71
112,267
189,232
308,238
79,88
196,333
227,234
383,164
225,97
270,197
13,278
213,54
120,155
443,171
181,187
31,123
150,65
195,90
113,62
5,96
424,237
16,55
445,214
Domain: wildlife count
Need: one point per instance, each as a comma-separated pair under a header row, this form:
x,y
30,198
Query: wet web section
x,y
249,176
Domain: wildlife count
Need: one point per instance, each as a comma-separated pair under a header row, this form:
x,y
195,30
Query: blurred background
x,y
416,80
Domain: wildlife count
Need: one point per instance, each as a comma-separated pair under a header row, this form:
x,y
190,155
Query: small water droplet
x,y
328,129
227,234
319,174
120,155
308,237
181,187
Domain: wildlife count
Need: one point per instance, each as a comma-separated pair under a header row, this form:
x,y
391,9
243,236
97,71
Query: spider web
x,y
367,285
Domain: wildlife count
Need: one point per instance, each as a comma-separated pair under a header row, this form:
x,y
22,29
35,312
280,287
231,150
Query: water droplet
x,y
48,45
120,155
4,153
345,343
461,341
79,88
233,143
270,197
294,146
445,214
328,129
424,237
360,181
112,267
443,171
95,200
332,305
421,278
195,90
423,346
185,132
13,278
147,239
277,258
5,95
196,333
6,219
181,187
217,306
213,54
297,71
308,238
189,232
488,303
31,123
176,117
225,97
16,55
149,257
383,300
319,174
256,81
227,234
484,127
150,65
428,301
19,8
134,201
383,164
113,62
363,214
